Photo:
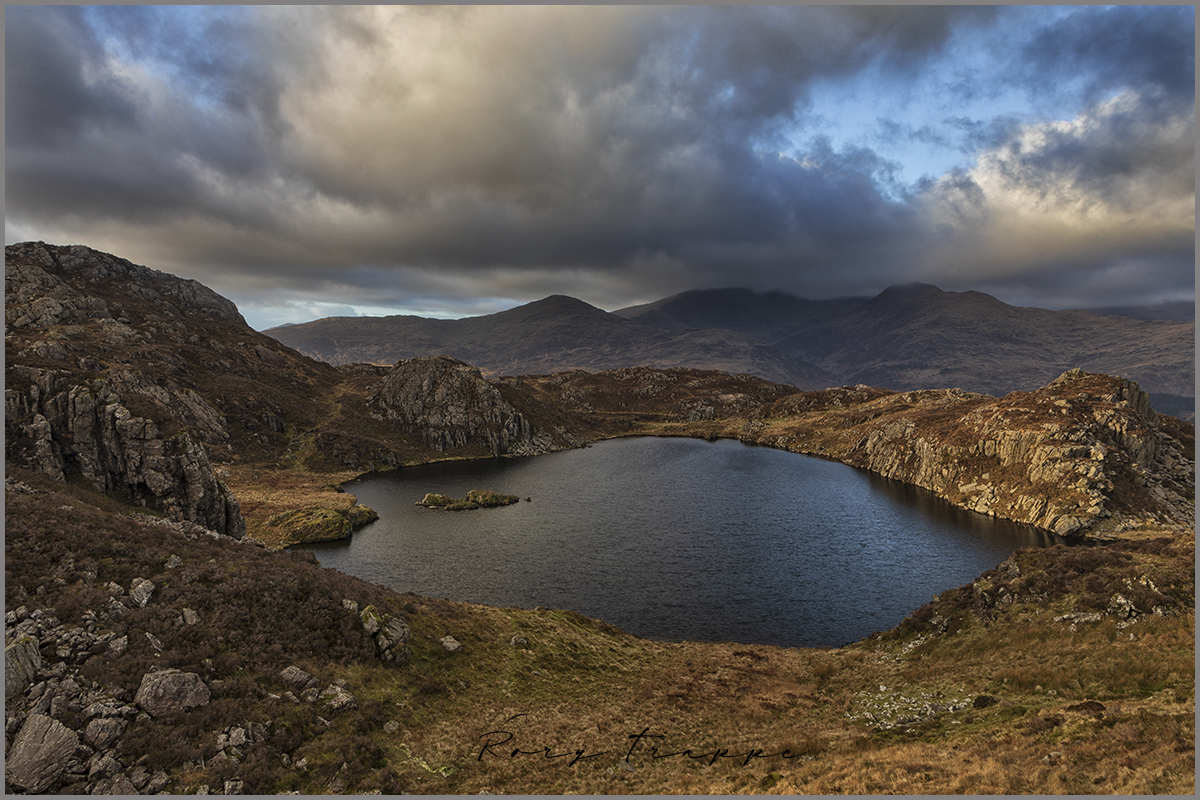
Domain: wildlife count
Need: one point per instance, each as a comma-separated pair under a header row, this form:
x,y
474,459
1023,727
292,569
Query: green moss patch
x,y
316,524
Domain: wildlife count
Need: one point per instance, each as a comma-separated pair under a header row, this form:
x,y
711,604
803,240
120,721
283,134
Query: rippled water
x,y
679,539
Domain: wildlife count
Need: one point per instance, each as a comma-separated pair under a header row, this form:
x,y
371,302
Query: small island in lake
x,y
476,498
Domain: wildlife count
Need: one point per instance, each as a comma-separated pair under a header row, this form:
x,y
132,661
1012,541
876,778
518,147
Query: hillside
x,y
907,337
918,336
765,317
158,451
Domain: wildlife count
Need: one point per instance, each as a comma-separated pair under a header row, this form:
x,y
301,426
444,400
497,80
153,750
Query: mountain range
x,y
907,337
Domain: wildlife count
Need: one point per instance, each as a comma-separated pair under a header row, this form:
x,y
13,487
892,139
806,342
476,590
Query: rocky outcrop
x,y
391,635
448,405
21,663
1084,453
59,425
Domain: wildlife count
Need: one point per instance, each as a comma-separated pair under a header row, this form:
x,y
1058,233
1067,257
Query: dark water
x,y
679,539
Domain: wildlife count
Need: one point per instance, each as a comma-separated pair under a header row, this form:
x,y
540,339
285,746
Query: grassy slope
x,y
581,684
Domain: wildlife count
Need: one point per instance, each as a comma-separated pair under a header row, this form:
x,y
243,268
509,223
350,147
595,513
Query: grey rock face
x,y
85,427
447,404
171,690
39,754
59,421
140,591
21,663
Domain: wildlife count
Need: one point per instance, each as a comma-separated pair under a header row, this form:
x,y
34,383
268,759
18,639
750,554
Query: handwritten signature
x,y
499,743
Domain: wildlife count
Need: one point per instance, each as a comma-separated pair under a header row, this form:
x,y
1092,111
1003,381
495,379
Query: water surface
x,y
675,539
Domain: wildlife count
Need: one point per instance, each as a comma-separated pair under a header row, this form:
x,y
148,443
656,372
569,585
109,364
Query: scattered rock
x,y
391,726
451,644
190,617
519,642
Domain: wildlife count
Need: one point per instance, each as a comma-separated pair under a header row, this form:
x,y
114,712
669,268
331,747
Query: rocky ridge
x,y
1084,454
1053,458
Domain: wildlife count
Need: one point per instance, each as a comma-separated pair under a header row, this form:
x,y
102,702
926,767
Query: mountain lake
x,y
675,539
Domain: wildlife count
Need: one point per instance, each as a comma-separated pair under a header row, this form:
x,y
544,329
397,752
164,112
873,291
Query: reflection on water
x,y
679,539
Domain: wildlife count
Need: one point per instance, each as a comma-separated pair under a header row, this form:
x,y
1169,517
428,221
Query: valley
x,y
151,436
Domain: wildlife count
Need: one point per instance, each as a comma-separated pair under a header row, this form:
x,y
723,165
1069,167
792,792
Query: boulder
x,y
140,591
297,678
451,644
118,784
393,634
39,754
171,690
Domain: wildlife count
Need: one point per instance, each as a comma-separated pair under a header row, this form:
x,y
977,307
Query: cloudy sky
x,y
451,161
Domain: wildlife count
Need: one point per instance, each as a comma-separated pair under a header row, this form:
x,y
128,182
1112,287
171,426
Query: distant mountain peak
x,y
913,288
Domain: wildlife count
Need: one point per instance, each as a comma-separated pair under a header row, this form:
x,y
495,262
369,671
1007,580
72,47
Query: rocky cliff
x,y
68,413
448,405
1084,453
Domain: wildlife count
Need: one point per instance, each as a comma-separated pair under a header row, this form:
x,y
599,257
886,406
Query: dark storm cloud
x,y
1107,49
88,139
379,152
48,101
